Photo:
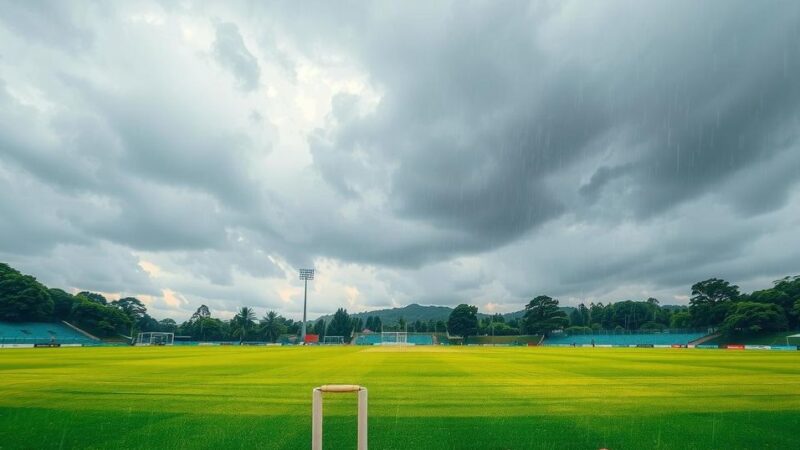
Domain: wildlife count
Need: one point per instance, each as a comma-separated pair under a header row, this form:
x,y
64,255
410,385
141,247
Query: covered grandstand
x,y
378,339
625,339
515,340
28,334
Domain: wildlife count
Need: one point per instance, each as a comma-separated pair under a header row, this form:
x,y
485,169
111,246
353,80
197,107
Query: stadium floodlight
x,y
305,275
316,413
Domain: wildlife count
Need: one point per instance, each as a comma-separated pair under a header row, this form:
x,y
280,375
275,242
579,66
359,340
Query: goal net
x,y
333,340
155,338
394,338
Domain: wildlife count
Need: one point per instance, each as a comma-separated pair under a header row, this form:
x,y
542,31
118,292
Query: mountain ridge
x,y
414,311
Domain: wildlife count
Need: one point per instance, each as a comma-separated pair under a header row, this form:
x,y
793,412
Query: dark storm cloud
x,y
595,138
230,51
476,115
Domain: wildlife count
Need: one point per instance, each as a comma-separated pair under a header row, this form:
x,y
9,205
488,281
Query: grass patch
x,y
420,397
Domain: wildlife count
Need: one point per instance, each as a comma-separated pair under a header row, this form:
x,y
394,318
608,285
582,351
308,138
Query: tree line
x,y
24,299
715,303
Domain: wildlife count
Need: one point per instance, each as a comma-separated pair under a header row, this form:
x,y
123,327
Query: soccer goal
x,y
333,340
394,338
155,338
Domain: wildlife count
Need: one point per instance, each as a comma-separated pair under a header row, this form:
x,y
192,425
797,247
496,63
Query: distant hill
x,y
414,312
410,313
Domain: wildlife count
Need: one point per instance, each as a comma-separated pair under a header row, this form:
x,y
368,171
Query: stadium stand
x,y
40,333
367,339
505,340
420,339
624,339
376,339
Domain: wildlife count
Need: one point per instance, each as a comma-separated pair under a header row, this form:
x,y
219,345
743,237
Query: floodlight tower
x,y
305,275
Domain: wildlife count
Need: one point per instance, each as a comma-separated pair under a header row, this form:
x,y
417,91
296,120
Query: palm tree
x,y
243,322
272,326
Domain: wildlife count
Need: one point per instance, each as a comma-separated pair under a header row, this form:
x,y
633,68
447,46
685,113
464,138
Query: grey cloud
x,y
602,176
232,54
235,255
95,267
164,142
51,23
33,217
525,138
473,120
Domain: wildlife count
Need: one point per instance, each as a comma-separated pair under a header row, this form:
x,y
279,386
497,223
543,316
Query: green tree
x,y
22,298
754,317
319,329
630,315
99,319
463,321
784,293
596,313
132,307
272,326
167,326
681,319
711,300
201,312
136,312
340,324
292,327
542,316
585,314
147,323
242,323
576,318
93,297
62,303
205,329
358,324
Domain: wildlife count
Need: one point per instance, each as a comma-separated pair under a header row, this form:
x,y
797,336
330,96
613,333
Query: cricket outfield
x,y
419,397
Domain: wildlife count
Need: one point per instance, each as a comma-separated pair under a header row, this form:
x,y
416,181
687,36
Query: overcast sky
x,y
430,152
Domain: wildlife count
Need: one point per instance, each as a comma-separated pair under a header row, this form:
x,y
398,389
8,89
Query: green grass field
x,y
424,397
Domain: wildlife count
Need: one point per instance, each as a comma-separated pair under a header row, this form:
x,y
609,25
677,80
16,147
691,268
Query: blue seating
x,y
39,333
375,339
625,339
368,339
420,339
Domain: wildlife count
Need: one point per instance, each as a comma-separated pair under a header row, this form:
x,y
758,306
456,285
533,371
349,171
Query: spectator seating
x,y
625,339
40,333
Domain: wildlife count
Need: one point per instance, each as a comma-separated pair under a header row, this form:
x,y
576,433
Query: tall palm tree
x,y
243,322
272,326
